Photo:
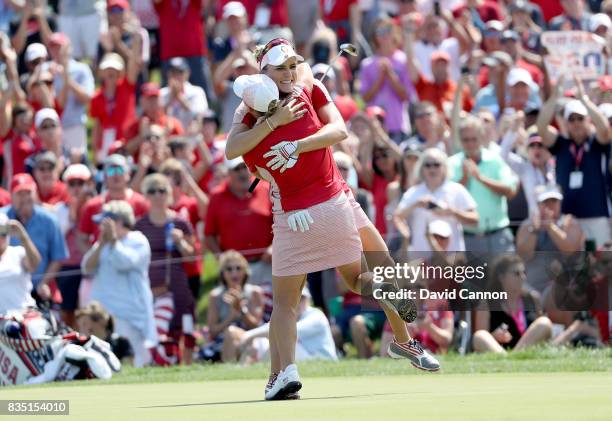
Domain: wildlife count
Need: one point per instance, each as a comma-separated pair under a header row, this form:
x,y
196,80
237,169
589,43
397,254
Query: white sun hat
x,y
257,91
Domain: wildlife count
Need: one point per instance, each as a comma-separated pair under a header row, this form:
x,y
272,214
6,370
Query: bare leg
x,y
377,254
539,331
286,297
385,340
483,341
231,341
359,334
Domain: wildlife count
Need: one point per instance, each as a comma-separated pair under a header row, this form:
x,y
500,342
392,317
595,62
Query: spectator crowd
x,y
114,181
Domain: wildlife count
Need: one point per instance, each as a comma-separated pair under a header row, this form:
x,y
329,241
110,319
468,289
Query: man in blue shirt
x,y
43,229
581,161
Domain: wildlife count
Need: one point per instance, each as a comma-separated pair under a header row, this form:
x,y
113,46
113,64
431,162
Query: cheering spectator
x,y
546,234
35,55
41,93
519,323
42,227
385,81
429,128
580,161
46,174
344,18
314,336
490,182
152,153
33,27
534,170
80,189
19,139
346,104
237,63
242,221
119,261
235,306
439,89
379,160
182,34
16,265
152,114
180,98
435,197
116,179
171,238
113,107
49,137
80,21
236,20
573,17
80,82
190,203
511,44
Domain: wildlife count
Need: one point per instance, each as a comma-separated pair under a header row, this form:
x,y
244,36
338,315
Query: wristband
x,y
269,124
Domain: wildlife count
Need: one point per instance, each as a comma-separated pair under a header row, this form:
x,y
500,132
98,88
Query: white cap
x,y
112,61
494,25
574,106
234,8
518,75
440,227
257,91
35,51
4,219
45,114
606,110
549,192
76,171
279,54
321,68
597,20
230,164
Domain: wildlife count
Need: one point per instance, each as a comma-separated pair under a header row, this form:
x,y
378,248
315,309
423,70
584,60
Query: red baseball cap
x,y
440,55
375,111
149,89
124,4
58,38
22,181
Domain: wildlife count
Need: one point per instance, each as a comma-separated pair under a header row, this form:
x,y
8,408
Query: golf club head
x,y
349,48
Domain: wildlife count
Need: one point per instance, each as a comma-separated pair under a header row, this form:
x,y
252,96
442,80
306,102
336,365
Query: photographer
x,y
16,265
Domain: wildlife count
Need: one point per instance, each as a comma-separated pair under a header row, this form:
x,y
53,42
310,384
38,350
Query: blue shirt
x,y
46,235
487,98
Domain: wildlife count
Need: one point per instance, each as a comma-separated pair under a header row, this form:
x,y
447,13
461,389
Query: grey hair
x,y
470,121
431,153
123,210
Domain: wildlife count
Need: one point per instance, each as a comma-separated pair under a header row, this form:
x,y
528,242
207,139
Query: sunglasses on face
x,y
424,114
574,118
154,191
381,155
44,82
432,165
76,183
536,145
115,171
385,30
518,272
152,137
116,9
45,168
232,269
48,126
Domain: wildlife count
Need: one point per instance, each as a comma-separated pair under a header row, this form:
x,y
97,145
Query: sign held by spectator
x,y
573,52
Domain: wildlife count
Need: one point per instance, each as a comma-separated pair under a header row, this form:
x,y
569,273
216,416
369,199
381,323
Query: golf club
x,y
347,48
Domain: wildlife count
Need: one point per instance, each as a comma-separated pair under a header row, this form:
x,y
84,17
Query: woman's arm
x,y
443,334
91,259
32,257
526,240
568,238
254,315
215,326
241,139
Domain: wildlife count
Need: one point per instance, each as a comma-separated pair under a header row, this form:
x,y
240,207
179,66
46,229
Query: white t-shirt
x,y
451,194
195,98
15,282
423,53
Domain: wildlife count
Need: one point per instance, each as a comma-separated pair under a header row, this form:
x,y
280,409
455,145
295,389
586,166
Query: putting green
x,y
498,396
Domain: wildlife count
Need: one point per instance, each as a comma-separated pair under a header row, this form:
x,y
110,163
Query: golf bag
x,y
35,349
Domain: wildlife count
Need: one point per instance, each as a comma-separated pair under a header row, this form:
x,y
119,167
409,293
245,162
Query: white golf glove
x,y
300,219
282,155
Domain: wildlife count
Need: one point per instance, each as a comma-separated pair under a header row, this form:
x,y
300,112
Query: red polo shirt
x,y
438,93
17,148
114,113
93,206
240,224
181,29
58,194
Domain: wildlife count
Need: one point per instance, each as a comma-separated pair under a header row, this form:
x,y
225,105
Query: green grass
x,y
541,383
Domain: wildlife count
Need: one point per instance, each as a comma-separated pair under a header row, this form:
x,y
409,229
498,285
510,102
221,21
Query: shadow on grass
x,y
263,401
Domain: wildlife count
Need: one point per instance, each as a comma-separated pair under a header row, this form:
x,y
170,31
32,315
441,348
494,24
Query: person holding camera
x,y
435,197
16,266
119,261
